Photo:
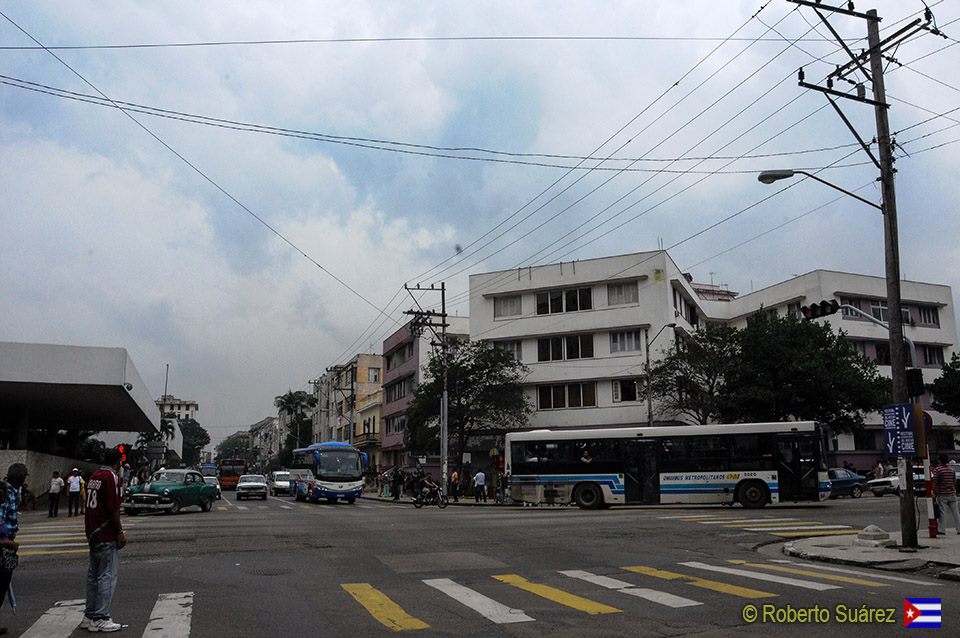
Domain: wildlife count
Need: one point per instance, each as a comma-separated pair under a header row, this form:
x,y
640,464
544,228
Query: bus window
x,y
525,457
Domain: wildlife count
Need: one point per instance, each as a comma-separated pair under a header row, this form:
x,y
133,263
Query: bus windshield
x,y
339,464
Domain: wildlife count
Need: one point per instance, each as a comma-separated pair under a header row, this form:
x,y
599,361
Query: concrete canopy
x,y
73,387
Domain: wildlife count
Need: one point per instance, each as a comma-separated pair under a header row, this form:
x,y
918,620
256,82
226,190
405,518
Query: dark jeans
x,y
54,504
73,503
480,492
5,577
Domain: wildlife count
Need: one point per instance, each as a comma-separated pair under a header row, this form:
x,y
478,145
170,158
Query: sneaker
x,y
86,623
105,625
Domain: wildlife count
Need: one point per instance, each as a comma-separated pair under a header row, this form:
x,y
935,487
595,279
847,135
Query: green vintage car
x,y
169,491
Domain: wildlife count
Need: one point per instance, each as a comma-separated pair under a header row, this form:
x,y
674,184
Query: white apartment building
x,y
182,408
581,328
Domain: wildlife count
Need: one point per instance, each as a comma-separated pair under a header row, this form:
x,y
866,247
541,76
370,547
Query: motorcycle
x,y
433,497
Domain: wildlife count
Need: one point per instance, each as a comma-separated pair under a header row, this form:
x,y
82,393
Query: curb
x,y
952,572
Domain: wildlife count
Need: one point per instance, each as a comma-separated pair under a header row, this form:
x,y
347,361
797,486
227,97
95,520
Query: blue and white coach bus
x,y
748,463
336,472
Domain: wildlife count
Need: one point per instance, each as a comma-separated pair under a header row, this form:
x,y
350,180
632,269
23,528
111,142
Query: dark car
x,y
846,483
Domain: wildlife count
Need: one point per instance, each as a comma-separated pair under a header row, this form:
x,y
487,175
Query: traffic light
x,y
915,386
122,449
822,309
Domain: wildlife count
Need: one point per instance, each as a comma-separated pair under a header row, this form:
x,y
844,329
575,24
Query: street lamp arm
x,y
842,190
871,318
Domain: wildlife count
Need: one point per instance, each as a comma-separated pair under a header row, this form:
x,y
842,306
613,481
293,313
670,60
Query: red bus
x,y
229,471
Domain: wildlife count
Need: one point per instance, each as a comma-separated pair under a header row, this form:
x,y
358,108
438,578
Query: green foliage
x,y
195,437
235,446
946,389
484,392
295,405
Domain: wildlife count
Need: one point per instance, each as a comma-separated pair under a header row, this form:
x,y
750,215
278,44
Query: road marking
x,y
746,520
791,528
306,507
772,578
54,551
844,570
242,508
486,607
385,611
805,572
813,532
170,617
622,586
221,508
779,524
227,501
57,622
263,507
26,538
723,588
705,517
285,507
557,595
55,545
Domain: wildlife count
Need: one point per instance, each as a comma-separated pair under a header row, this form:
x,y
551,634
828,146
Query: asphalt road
x,y
282,568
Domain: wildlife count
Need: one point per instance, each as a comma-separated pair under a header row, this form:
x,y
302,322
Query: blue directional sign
x,y
898,436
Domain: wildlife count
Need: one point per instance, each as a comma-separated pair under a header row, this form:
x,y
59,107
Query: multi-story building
x,y
405,356
326,394
341,393
182,408
582,329
366,437
266,439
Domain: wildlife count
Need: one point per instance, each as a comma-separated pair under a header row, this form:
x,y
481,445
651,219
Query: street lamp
x,y
646,347
898,354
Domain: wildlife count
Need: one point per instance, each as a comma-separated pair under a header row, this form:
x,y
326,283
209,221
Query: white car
x,y
252,485
279,483
212,480
891,484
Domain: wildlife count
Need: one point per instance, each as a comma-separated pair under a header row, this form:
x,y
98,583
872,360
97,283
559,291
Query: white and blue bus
x,y
335,472
748,463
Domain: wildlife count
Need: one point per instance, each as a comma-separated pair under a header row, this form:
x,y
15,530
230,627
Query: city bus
x,y
208,469
229,472
748,463
336,472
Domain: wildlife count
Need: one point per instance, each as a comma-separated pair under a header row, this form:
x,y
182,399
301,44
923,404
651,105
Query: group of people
x,y
98,499
395,482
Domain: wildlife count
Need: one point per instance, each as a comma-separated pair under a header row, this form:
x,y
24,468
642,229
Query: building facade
x,y
266,439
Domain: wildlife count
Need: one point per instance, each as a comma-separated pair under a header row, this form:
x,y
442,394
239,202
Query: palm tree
x,y
294,405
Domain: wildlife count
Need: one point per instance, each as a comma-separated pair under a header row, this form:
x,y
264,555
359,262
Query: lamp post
x,y
646,349
898,353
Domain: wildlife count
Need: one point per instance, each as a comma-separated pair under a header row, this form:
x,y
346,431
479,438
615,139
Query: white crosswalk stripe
x,y
772,578
653,595
796,528
486,607
285,507
170,617
874,575
243,508
743,521
57,622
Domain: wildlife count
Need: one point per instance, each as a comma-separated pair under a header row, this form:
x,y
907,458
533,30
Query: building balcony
x,y
366,440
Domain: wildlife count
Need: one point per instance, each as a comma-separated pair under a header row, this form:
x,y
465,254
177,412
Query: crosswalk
x,y
494,597
785,527
55,537
170,618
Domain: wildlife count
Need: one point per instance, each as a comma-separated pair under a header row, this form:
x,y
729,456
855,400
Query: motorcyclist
x,y
428,488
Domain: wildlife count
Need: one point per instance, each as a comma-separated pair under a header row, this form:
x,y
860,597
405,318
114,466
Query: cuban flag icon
x,y
921,612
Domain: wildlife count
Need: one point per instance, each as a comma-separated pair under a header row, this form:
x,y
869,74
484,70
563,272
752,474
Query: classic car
x,y
252,485
843,482
169,491
212,480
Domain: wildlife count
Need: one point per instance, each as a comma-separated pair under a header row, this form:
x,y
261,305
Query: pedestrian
x,y
105,537
397,483
455,486
83,492
56,486
9,526
945,489
479,485
878,472
73,492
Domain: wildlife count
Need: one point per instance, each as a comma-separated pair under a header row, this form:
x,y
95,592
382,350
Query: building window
x,y
570,347
579,346
398,390
373,375
506,306
860,347
849,301
628,341
550,349
513,347
865,440
883,353
618,294
793,309
933,355
395,424
929,315
570,300
573,395
878,308
625,390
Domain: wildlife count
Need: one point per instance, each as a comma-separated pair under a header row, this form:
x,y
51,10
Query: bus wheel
x,y
588,496
753,494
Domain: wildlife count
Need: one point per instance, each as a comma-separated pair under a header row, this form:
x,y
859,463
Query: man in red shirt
x,y
105,535
945,489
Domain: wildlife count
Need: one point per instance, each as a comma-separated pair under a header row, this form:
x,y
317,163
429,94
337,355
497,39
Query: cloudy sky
x,y
261,198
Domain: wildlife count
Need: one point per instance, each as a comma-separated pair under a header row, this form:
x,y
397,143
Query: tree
x,y
235,446
195,437
168,422
295,406
790,369
484,397
946,389
689,379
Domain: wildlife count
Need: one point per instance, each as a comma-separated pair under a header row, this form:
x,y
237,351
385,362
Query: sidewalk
x,y
408,500
943,551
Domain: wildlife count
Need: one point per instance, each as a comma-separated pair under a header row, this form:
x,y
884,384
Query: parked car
x,y
843,482
212,480
279,483
891,484
169,491
252,485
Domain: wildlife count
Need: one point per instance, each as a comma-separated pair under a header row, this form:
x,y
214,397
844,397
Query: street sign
x,y
898,436
156,450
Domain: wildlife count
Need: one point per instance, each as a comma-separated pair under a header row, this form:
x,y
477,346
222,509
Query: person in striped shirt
x,y
945,489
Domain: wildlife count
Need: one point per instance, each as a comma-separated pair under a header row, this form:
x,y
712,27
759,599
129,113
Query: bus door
x,y
641,480
797,465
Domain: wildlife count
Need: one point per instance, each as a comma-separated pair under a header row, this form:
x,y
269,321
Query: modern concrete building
x,y
405,356
581,327
182,408
266,439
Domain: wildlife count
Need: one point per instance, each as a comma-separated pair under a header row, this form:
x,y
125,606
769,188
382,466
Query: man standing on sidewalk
x,y
56,486
105,535
945,489
73,492
479,486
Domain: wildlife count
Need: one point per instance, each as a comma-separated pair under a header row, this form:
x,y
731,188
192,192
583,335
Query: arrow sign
x,y
898,435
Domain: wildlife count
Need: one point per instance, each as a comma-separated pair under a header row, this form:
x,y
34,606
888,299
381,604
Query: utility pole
x,y
425,319
874,55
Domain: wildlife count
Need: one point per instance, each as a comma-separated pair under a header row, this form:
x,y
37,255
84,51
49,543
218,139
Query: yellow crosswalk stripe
x,y
790,524
809,572
723,588
384,610
557,595
829,532
47,539
221,508
53,551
